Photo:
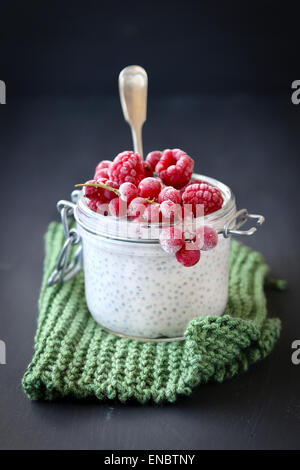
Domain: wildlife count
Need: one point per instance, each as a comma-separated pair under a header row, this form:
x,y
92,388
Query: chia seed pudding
x,y
135,288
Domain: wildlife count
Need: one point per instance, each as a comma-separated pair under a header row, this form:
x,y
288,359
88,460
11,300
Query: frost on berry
x,y
137,207
206,238
203,194
127,168
128,192
170,211
169,194
152,213
171,239
117,207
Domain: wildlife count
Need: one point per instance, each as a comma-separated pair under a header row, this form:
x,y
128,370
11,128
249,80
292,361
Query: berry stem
x,y
114,190
99,185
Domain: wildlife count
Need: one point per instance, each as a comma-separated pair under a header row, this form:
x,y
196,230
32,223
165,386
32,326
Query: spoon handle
x,y
137,140
133,87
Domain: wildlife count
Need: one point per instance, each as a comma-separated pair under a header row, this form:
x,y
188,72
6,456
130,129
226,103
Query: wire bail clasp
x,y
64,270
240,219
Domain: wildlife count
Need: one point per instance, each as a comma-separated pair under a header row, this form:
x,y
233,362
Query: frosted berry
x,y
128,191
203,194
206,238
152,213
106,194
103,164
153,158
137,207
149,188
92,204
175,168
170,210
127,168
103,208
103,173
193,181
169,194
148,171
171,239
117,207
189,255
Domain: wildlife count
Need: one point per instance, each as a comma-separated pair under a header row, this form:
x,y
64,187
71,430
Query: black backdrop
x,y
220,75
79,47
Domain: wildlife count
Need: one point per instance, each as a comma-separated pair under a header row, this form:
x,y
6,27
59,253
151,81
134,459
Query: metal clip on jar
x,y
133,288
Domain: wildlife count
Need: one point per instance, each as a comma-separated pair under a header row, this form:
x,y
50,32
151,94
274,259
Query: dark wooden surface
x,y
250,142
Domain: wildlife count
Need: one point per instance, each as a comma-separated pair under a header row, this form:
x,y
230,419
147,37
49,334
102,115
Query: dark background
x,y
220,77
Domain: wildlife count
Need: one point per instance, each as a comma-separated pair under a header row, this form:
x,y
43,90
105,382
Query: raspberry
x,y
149,188
171,211
175,168
206,238
189,254
128,191
127,167
169,194
193,181
152,213
103,164
90,191
92,204
148,172
209,197
117,207
171,239
153,158
103,173
137,207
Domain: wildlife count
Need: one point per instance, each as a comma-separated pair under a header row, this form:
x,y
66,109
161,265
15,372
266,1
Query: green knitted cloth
x,y
75,357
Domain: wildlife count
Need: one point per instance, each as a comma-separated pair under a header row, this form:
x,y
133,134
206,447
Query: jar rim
x,y
95,223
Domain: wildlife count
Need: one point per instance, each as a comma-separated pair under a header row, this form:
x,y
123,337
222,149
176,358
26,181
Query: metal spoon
x,y
133,87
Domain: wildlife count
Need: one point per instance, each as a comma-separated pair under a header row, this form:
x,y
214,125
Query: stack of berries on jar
x,y
159,190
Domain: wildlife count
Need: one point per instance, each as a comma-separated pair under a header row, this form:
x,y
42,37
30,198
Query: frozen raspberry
x,y
171,239
204,194
103,173
137,207
175,168
169,194
148,172
193,181
206,238
149,188
117,207
92,204
189,254
153,158
103,164
128,191
127,168
90,191
171,211
152,213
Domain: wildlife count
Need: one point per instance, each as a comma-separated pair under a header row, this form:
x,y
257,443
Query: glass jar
x,y
134,288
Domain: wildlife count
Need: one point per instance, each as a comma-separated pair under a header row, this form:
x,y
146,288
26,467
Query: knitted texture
x,y
75,357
